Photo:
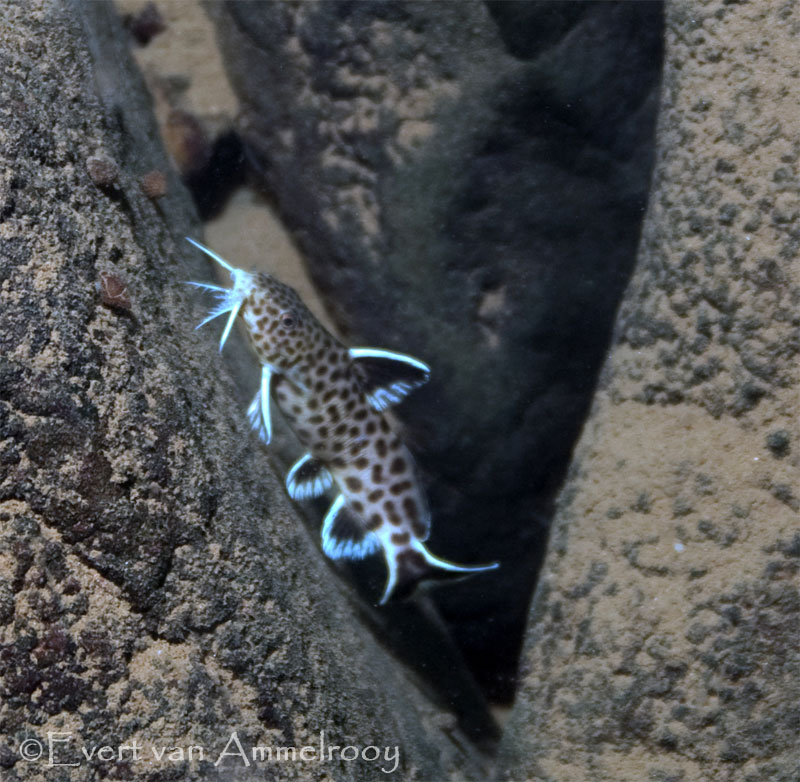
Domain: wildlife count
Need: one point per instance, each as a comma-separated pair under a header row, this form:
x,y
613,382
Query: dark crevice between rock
x,y
530,195
212,185
527,29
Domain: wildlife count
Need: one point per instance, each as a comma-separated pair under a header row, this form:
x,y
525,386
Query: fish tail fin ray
x,y
411,564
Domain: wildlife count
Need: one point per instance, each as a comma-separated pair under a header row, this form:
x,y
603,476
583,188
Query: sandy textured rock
x,y
466,181
663,639
155,585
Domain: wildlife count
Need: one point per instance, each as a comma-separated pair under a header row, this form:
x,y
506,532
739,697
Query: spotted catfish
x,y
334,399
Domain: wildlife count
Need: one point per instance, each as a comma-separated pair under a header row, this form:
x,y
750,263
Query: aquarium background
x,y
463,182
469,183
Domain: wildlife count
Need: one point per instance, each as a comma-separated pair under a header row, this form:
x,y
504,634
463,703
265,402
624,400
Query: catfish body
x,y
334,399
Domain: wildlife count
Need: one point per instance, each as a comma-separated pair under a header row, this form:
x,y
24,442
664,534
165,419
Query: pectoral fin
x,y
258,412
389,376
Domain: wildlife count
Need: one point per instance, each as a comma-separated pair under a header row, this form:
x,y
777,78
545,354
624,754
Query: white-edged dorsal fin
x,y
389,377
308,478
344,535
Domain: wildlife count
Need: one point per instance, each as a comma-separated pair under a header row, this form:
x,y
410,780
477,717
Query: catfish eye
x,y
288,321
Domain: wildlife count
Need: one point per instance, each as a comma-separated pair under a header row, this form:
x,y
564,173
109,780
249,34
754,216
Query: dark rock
x,y
146,23
779,443
103,170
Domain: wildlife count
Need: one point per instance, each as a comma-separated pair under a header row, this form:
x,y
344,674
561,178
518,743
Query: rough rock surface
x,y
467,181
155,585
663,639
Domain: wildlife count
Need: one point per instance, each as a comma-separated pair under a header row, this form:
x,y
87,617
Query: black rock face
x,y
467,181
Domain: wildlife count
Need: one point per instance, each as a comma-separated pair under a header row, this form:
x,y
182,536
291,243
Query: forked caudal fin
x,y
408,566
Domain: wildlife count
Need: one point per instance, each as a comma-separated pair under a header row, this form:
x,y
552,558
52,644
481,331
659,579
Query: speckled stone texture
x,y
155,585
664,638
467,181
